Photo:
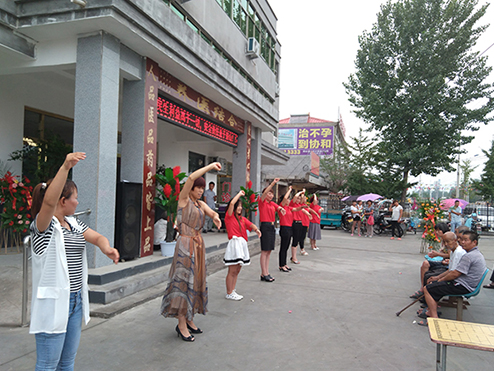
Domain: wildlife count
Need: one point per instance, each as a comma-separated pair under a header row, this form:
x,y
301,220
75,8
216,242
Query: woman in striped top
x,y
60,292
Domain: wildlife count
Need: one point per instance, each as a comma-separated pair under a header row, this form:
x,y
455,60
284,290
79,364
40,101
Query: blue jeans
x,y
58,351
455,225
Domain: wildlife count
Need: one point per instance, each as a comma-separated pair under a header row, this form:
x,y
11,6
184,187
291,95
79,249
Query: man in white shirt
x,y
210,199
397,213
455,216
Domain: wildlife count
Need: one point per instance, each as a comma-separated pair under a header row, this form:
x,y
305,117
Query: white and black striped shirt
x,y
74,248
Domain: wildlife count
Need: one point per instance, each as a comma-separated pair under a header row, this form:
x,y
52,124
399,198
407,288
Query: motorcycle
x,y
346,219
383,225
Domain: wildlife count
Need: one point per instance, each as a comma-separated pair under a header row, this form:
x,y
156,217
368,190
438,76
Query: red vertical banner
x,y
148,181
314,164
248,132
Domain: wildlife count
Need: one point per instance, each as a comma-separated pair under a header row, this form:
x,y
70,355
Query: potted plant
x,y
169,181
249,201
15,198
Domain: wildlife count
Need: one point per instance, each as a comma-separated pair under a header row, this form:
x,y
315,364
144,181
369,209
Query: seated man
x,y
431,266
462,280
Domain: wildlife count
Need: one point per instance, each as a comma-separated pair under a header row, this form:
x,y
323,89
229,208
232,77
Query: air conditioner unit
x,y
253,48
212,159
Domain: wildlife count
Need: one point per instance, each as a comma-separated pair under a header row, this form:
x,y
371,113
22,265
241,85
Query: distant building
x,y
305,139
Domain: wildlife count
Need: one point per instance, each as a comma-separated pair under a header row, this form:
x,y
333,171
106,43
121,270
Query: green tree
x,y
41,161
416,79
335,169
466,170
485,186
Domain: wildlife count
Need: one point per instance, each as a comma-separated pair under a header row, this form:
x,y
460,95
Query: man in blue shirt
x,y
455,216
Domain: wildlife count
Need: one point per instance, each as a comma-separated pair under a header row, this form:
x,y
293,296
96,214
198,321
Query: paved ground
x,y
335,311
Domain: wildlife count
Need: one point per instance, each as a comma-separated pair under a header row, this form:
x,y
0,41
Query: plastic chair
x,y
459,303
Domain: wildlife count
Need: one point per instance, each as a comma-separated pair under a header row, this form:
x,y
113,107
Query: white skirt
x,y
237,252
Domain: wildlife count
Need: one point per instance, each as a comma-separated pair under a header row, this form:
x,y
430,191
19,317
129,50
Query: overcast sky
x,y
318,48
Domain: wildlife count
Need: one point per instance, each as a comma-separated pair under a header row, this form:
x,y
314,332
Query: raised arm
x,y
286,198
268,188
184,193
231,207
54,191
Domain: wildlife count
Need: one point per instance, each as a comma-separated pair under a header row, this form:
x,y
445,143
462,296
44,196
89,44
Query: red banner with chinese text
x,y
183,93
183,117
248,154
150,131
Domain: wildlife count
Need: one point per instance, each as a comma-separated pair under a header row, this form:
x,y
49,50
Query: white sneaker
x,y
238,295
234,296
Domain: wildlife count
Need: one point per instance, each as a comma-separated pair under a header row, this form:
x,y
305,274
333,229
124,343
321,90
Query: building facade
x,y
305,139
137,84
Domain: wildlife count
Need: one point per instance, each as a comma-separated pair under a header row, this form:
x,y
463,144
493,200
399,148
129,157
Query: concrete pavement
x,y
335,311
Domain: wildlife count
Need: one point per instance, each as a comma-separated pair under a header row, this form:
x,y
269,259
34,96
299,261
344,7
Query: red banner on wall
x,y
248,154
182,117
183,93
148,183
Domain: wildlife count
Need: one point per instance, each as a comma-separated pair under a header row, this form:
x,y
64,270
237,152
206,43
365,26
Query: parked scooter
x,y
382,225
346,219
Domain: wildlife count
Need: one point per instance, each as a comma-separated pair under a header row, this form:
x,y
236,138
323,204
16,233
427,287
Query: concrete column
x,y
238,164
132,150
255,163
96,133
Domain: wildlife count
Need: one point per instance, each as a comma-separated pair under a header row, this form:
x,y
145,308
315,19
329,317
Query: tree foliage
x,y
485,186
416,79
41,161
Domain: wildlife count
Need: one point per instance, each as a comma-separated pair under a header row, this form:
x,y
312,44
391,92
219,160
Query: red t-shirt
x,y
305,219
234,229
316,219
297,215
267,210
287,219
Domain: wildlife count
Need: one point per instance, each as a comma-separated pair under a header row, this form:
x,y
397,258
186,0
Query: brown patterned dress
x,y
187,292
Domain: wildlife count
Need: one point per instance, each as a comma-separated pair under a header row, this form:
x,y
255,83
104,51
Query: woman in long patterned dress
x,y
187,292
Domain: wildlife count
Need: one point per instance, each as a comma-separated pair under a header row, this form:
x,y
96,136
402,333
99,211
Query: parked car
x,y
484,214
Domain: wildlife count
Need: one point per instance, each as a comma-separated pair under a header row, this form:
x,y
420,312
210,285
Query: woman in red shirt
x,y
315,224
237,251
297,226
286,231
267,210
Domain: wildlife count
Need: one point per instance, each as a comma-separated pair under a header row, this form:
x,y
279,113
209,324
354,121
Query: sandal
x,y
423,323
489,286
294,261
417,294
304,252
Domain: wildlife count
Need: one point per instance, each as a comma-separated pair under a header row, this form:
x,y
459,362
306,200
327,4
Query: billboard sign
x,y
304,140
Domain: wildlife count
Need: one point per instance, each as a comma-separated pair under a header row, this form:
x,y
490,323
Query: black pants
x,y
394,224
286,235
299,234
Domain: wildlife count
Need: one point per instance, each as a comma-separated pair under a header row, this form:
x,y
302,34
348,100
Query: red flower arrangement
x,y
429,214
170,181
16,202
249,201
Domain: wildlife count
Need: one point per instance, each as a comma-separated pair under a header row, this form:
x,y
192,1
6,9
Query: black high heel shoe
x,y
189,338
283,269
194,330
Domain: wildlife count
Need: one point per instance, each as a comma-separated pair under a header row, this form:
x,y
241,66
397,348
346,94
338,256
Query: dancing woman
x,y
267,210
286,228
315,224
237,251
187,292
60,297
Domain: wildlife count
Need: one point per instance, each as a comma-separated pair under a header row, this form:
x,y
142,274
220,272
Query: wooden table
x,y
446,332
